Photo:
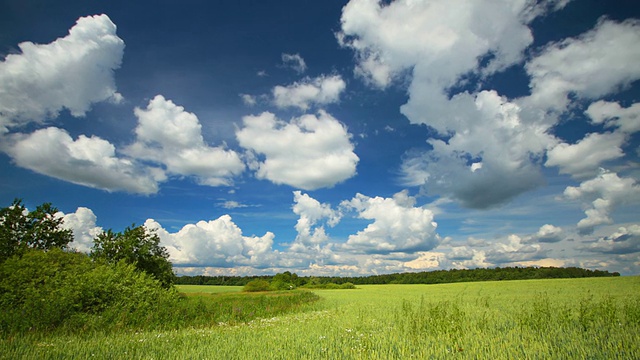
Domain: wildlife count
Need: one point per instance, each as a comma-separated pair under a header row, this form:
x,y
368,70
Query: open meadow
x,y
592,318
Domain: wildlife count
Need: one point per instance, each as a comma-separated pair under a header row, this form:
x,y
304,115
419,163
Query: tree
x,y
21,229
136,246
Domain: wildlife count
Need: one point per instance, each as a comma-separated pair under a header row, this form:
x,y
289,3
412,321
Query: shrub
x,y
57,289
256,285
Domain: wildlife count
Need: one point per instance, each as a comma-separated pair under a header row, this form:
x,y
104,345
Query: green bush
x,y
256,285
277,285
43,291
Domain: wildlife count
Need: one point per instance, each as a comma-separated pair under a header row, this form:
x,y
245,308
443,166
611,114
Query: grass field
x,y
595,318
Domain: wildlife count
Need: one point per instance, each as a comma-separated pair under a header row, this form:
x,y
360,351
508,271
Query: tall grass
x,y
545,319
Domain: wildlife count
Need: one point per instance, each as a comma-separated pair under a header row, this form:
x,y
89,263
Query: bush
x,y
347,285
55,289
256,285
277,285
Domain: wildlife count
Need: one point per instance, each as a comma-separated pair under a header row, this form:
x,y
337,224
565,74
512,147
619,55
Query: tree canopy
x,y
21,229
138,246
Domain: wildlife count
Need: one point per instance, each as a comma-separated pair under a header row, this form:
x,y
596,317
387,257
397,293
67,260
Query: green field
x,y
593,318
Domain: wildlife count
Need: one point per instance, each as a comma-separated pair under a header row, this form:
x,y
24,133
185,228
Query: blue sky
x,y
331,137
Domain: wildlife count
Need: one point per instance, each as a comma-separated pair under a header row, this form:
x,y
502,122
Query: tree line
x,y
425,277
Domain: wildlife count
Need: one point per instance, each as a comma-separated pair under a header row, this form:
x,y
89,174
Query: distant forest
x,y
426,277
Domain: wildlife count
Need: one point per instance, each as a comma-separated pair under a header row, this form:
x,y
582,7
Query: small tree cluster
x,y
136,246
44,285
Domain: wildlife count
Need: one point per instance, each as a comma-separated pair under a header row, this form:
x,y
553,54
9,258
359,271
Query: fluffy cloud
x,y
397,225
168,135
592,65
583,159
626,240
83,224
549,234
88,161
611,114
491,153
309,152
603,194
491,157
453,38
311,211
217,243
322,90
295,62
70,73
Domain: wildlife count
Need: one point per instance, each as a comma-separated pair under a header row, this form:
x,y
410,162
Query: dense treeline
x,y
426,277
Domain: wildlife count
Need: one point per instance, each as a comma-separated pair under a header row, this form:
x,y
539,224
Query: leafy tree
x,y
136,246
21,229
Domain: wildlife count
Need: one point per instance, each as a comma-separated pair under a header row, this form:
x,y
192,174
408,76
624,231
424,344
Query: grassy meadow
x,y
591,318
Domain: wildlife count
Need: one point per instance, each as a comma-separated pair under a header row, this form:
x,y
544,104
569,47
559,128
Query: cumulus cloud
x,y
83,224
583,159
322,90
218,243
490,153
397,225
626,240
602,195
309,152
167,134
611,114
311,212
295,62
549,234
597,63
71,73
453,38
491,157
89,161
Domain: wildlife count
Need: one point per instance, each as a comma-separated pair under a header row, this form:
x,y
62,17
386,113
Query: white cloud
x,y
627,120
70,73
491,157
583,159
397,225
427,260
491,154
309,152
549,234
88,161
169,135
83,224
453,38
626,240
602,195
322,90
230,204
592,65
295,62
217,242
249,100
311,212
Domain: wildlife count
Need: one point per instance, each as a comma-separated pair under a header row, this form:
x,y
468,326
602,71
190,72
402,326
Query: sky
x,y
338,138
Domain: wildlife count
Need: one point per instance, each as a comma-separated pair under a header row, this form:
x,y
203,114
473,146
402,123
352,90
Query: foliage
x,y
425,277
21,229
256,285
482,320
43,291
347,285
136,246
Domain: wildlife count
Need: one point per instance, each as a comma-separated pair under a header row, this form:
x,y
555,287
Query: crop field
x,y
595,318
